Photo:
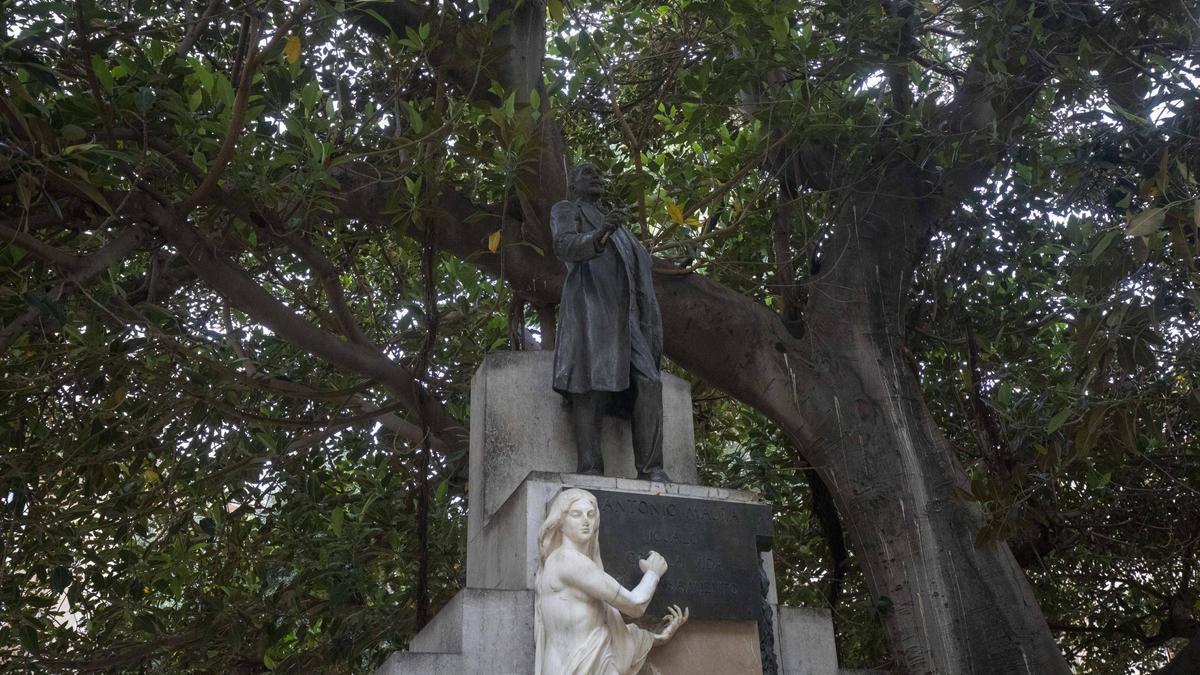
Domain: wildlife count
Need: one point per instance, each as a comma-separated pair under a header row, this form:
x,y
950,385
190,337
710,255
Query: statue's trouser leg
x,y
586,414
647,424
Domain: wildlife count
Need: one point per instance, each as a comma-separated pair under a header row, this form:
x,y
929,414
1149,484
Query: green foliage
x,y
181,489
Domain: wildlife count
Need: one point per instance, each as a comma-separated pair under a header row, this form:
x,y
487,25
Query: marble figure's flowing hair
x,y
550,536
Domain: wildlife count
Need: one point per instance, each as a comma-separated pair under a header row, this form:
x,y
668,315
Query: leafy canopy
x,y
183,489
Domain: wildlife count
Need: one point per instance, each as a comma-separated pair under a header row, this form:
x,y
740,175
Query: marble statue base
x,y
488,626
478,631
716,542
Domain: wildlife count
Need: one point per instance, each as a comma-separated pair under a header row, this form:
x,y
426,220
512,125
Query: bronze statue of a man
x,y
610,336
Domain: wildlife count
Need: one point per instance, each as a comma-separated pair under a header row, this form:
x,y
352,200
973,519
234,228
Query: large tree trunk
x,y
949,605
845,394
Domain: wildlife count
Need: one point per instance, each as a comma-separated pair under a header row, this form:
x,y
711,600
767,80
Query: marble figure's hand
x,y
654,563
675,618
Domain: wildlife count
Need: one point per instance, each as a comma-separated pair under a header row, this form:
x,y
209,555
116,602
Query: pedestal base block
x,y
806,641
478,631
709,647
716,542
520,424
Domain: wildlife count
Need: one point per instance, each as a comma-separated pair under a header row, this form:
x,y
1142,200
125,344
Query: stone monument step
x,y
477,631
490,632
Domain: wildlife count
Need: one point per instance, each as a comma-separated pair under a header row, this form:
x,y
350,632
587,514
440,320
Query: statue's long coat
x,y
609,320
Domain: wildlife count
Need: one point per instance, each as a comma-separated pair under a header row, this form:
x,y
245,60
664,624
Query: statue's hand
x,y
654,563
675,618
612,223
612,220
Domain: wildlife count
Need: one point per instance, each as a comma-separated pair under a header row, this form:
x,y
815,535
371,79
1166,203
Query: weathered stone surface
x,y
726,647
414,663
443,633
519,424
806,641
504,554
711,546
480,632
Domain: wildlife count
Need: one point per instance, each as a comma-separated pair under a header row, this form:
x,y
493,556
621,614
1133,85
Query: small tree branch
x,y
232,134
129,655
385,415
198,27
253,60
83,268
331,283
464,68
546,321
55,256
785,268
906,48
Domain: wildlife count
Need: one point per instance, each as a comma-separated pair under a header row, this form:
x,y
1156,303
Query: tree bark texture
x,y
1187,660
845,395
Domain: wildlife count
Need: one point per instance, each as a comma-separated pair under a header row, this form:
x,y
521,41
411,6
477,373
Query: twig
x,y
194,34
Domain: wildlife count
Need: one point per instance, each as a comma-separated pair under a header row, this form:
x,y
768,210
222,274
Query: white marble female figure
x,y
579,630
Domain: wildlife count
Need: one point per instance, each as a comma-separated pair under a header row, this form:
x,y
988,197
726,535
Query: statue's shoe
x,y
655,476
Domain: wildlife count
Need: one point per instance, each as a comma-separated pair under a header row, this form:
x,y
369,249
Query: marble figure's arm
x,y
582,573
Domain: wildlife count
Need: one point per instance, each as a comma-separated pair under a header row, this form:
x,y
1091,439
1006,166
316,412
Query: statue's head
x,y
575,515
587,182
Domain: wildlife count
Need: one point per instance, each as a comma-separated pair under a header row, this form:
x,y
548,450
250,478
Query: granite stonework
x,y
522,457
805,636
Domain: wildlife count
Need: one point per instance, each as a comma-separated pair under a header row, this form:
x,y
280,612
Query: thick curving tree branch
x,y
384,415
469,72
700,317
241,291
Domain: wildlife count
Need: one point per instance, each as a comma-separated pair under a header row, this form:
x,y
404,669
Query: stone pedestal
x,y
806,638
520,424
715,540
478,631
